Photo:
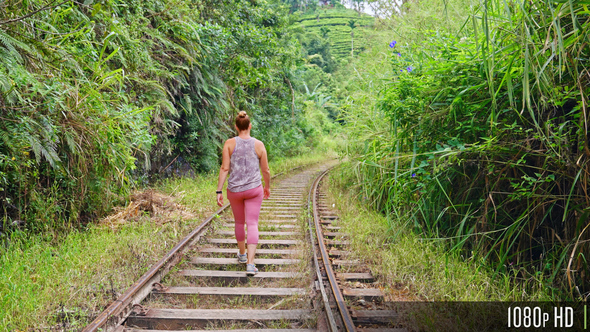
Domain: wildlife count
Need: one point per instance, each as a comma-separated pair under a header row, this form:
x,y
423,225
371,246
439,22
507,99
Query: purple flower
x,y
399,54
392,44
410,69
413,175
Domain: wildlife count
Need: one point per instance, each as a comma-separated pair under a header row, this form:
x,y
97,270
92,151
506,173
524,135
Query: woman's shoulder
x,y
258,142
230,141
259,147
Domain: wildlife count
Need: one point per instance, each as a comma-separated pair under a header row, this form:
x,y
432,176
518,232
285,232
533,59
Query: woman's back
x,y
243,157
244,171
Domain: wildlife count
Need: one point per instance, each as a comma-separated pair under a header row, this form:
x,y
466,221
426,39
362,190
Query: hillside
x,y
337,21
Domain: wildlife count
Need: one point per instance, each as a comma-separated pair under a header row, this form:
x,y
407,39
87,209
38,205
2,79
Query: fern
x,y
10,45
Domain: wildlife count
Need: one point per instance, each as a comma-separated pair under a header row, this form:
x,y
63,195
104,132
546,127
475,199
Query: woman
x,y
243,157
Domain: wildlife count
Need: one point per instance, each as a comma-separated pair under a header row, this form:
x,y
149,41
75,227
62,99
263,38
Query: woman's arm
x,y
223,171
261,151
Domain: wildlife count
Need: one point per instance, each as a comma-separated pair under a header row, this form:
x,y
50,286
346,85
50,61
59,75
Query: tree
x,y
312,6
325,30
295,5
352,25
318,51
386,8
359,4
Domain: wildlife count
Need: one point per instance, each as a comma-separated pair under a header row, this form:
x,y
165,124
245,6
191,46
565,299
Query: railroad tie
x,y
262,233
237,274
233,261
231,291
233,251
180,318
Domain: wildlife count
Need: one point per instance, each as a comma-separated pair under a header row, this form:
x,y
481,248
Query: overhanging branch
x,y
50,6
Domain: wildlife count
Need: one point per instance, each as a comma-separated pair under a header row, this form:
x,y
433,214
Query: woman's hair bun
x,y
242,121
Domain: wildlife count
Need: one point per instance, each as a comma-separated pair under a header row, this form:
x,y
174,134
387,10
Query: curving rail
x,y
342,308
366,309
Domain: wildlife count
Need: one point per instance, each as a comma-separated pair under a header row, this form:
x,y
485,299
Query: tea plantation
x,y
338,33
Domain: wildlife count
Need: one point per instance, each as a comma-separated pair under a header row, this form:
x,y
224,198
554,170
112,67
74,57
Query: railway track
x,y
358,304
305,282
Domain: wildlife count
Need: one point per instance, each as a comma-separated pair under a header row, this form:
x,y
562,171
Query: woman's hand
x,y
266,193
224,169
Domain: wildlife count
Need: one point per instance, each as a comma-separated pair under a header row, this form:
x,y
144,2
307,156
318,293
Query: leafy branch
x,y
49,6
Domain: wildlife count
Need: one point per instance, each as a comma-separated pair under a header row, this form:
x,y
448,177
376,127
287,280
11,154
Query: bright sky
x,y
365,7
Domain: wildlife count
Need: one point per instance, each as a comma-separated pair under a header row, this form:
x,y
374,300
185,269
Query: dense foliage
x,y
485,142
468,120
97,95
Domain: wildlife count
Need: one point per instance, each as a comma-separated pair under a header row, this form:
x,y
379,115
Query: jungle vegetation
x,y
466,119
98,97
478,140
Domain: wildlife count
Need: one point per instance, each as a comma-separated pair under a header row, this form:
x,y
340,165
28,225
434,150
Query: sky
x,y
366,8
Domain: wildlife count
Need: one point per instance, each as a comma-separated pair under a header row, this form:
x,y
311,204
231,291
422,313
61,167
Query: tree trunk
x,y
352,44
292,100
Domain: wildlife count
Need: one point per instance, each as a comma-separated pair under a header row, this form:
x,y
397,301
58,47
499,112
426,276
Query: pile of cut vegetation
x,y
161,208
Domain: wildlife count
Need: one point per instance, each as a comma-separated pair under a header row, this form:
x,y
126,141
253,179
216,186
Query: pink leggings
x,y
246,208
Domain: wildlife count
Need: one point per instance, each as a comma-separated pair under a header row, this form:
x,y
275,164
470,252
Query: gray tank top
x,y
244,168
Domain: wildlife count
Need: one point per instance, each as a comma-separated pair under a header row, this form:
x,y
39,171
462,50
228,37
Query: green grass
x,y
424,267
80,274
75,275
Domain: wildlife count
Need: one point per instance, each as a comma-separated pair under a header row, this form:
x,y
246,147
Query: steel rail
x,y
311,223
346,318
116,313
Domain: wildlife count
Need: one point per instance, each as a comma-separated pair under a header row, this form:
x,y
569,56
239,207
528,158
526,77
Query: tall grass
x,y
485,143
410,267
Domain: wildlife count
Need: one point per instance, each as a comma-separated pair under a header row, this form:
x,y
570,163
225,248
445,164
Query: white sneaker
x,y
242,258
251,269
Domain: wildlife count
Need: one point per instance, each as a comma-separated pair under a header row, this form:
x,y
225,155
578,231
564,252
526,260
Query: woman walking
x,y
243,158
